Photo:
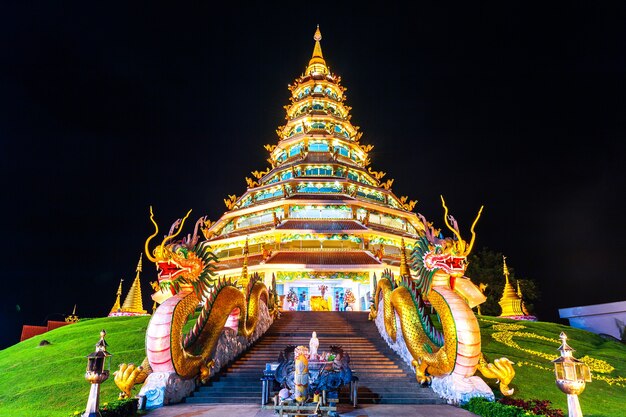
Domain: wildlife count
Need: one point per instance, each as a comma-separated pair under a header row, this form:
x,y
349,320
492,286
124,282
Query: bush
x,y
539,407
120,408
485,408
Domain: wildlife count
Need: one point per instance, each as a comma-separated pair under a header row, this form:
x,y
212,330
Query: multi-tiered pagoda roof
x,y
318,209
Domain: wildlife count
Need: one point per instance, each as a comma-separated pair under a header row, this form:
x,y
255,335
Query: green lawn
x,y
48,381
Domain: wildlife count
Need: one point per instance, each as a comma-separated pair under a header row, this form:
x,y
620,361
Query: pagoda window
x,y
255,219
316,171
281,156
318,88
320,212
286,175
318,125
318,106
305,92
318,147
272,180
342,150
332,109
298,129
353,156
294,150
338,129
265,194
353,176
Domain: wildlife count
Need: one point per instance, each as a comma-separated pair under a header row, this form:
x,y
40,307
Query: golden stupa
x,y
133,304
511,301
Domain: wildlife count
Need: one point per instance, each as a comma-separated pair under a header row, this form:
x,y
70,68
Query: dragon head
x,y
182,265
433,254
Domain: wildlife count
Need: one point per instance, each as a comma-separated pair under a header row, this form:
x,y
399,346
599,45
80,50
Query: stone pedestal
x,y
163,388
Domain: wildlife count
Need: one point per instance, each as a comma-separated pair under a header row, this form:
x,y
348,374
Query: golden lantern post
x,y
98,367
571,376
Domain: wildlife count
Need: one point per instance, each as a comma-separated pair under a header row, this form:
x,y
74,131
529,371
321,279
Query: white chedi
x,y
314,343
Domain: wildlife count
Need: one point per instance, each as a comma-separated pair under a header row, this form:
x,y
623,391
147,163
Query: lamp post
x,y
571,376
98,366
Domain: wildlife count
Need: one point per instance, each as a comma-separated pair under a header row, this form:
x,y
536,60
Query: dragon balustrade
x,y
447,354
181,353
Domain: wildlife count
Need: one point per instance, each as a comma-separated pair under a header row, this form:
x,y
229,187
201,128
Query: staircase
x,y
383,377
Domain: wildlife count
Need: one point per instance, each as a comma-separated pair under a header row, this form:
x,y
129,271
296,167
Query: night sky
x,y
107,108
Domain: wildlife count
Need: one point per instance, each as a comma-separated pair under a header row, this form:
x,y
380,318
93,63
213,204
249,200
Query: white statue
x,y
313,345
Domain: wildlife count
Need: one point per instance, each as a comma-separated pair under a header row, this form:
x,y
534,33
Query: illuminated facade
x,y
319,220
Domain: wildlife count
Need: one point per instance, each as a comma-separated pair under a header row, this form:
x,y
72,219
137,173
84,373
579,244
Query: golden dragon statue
x,y
188,288
453,348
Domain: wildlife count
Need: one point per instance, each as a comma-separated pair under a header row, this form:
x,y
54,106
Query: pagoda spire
x,y
117,306
133,302
317,64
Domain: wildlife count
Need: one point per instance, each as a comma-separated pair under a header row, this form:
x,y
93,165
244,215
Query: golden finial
x,y
318,35
505,269
317,65
139,263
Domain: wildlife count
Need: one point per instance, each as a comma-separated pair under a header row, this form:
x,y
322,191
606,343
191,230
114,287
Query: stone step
x,y
383,377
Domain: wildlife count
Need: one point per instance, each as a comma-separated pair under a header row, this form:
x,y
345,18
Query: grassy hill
x,y
47,381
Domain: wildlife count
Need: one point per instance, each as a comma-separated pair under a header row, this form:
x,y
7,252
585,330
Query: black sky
x,y
107,108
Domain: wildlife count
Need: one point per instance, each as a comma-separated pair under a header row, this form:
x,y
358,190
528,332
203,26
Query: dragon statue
x,y
188,288
446,356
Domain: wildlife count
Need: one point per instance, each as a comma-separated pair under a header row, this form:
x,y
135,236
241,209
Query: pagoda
x,y
318,216
511,301
133,304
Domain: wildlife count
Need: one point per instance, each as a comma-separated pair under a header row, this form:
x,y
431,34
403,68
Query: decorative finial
x,y
505,268
139,264
318,34
317,65
565,349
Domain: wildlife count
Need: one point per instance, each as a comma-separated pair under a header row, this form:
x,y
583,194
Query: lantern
x,y
571,376
98,367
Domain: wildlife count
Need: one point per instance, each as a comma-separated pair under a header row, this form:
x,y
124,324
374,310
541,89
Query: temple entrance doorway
x,y
323,292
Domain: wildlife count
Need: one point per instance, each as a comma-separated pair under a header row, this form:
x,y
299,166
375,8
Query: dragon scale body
x,y
167,347
455,350
434,353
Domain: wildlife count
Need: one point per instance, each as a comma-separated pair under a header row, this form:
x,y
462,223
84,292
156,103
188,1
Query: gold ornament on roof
x,y
376,174
230,202
260,174
251,183
387,184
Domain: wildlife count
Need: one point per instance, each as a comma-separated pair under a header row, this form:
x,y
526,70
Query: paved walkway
x,y
365,410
